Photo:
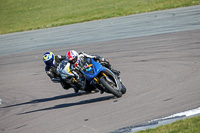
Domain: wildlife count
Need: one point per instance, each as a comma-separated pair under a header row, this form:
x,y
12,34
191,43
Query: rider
x,y
75,58
52,62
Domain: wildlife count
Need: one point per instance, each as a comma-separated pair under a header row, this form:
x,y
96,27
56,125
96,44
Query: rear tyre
x,y
110,88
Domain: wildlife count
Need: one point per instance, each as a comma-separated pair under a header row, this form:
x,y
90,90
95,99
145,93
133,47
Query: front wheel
x,y
123,90
115,92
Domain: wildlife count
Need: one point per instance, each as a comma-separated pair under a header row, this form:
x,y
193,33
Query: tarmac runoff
x,y
161,121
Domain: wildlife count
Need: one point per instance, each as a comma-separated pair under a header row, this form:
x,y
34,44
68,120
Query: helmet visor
x,y
73,60
49,62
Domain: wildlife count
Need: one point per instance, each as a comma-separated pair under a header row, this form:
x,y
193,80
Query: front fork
x,y
108,79
97,81
75,80
100,86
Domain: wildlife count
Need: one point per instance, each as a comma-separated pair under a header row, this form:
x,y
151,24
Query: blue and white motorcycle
x,y
101,77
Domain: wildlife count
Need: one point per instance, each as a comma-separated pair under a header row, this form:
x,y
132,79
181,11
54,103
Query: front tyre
x,y
115,92
123,90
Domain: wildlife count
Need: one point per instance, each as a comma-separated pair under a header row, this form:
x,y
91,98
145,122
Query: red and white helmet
x,y
72,56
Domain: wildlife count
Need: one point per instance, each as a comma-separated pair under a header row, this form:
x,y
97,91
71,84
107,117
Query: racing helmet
x,y
49,58
72,56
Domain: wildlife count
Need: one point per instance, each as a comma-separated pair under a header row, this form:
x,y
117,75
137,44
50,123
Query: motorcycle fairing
x,y
64,70
93,71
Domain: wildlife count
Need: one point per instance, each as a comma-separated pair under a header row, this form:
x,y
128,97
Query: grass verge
x,y
22,15
189,125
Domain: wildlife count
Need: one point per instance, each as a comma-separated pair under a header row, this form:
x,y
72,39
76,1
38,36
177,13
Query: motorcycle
x,y
73,77
101,77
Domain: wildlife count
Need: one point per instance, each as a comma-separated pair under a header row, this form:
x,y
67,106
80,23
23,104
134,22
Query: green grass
x,y
21,15
190,125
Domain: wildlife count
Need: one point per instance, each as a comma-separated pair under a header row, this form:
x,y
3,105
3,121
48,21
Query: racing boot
x,y
107,64
101,91
76,90
116,72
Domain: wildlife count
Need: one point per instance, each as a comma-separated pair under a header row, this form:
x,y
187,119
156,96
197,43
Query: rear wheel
x,y
112,90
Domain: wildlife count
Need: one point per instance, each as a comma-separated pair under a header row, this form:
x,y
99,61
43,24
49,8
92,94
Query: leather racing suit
x,y
104,62
52,72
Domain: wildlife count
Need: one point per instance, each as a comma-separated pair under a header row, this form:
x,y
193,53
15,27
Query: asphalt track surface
x,y
161,72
